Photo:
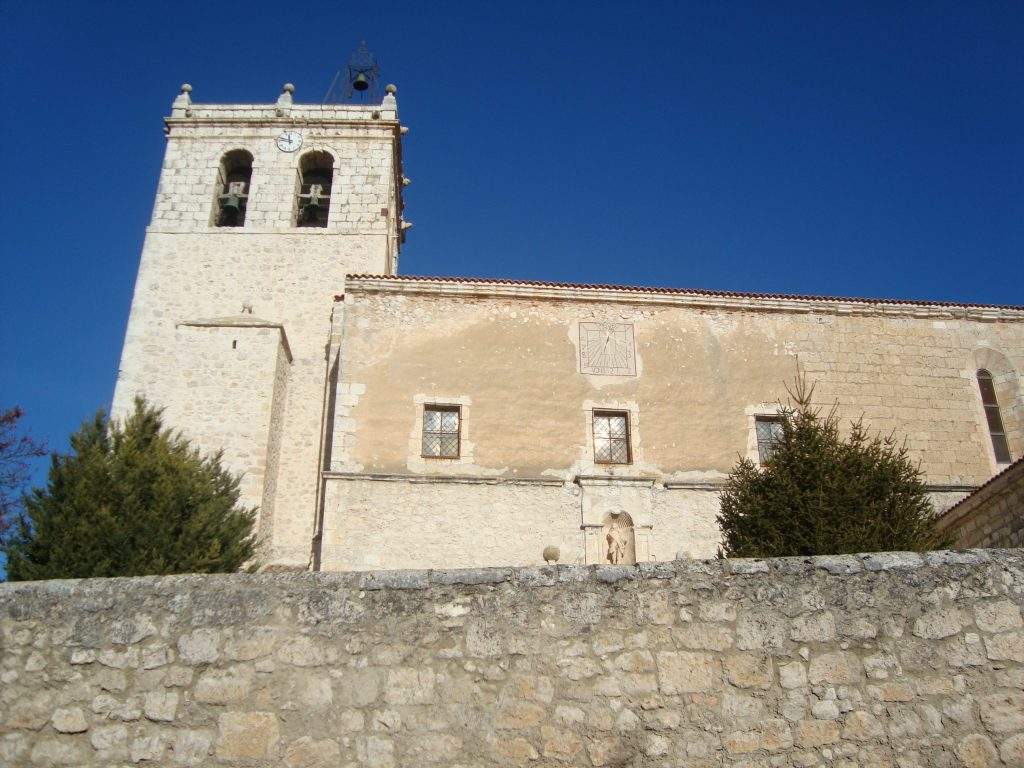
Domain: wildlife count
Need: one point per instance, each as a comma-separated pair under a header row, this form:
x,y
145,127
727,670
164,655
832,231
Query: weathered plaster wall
x,y
702,374
191,271
868,661
993,516
511,360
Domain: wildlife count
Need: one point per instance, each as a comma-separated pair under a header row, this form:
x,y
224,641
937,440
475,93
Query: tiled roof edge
x,y
683,291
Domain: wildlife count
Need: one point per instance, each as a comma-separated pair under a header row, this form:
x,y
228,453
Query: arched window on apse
x,y
995,421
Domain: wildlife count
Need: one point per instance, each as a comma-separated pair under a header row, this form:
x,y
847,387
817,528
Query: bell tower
x,y
261,211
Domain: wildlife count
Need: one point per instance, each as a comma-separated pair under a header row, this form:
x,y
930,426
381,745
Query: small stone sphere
x,y
391,88
551,554
186,88
288,88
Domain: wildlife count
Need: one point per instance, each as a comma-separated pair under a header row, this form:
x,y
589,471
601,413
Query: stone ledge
x,y
529,576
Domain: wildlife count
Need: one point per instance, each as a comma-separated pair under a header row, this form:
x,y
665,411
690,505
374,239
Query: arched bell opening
x,y
313,202
234,177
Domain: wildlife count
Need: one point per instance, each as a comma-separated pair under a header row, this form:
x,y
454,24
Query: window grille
x,y
995,421
769,432
611,437
442,426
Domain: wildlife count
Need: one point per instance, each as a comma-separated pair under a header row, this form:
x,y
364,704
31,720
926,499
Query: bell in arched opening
x,y
233,179
316,174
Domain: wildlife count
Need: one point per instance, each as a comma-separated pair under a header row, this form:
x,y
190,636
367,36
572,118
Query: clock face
x,y
607,349
289,141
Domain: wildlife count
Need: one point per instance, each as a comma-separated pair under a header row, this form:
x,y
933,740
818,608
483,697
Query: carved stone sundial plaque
x,y
607,349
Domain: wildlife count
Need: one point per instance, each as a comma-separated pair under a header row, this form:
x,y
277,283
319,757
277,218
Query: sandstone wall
x,y
993,516
855,662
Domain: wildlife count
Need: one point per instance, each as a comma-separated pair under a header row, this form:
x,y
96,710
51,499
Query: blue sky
x,y
866,149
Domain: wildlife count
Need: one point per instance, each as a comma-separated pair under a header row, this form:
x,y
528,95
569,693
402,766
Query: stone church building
x,y
387,421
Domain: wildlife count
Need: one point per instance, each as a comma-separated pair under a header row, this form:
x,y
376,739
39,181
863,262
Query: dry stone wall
x,y
855,661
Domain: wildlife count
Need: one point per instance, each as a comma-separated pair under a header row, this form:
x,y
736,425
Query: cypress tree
x,y
822,493
129,500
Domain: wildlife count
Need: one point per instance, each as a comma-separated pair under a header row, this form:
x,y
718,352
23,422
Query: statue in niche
x,y
620,544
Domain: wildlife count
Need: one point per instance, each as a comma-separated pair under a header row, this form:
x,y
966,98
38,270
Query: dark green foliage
x,y
131,500
820,493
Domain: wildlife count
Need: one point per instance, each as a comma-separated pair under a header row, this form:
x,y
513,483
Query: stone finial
x,y
183,99
404,130
406,181
406,225
389,101
284,101
551,554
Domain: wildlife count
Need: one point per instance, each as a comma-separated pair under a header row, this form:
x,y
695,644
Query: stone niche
x,y
617,519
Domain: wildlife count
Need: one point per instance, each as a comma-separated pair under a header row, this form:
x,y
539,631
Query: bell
x,y
230,209
360,83
310,212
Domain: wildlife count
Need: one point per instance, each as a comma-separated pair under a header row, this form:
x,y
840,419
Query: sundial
x,y
607,349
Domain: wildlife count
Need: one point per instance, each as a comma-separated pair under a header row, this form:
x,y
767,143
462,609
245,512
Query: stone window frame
x,y
441,408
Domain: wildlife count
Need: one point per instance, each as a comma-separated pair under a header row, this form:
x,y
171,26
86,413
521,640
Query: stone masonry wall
x,y
193,272
993,516
853,661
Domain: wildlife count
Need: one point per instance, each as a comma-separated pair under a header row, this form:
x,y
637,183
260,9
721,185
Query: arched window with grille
x,y
232,193
313,203
995,421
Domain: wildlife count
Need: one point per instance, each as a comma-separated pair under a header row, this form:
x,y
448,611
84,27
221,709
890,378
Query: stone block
x,y
816,733
997,616
862,726
1003,712
1007,646
688,672
224,686
977,751
407,685
939,623
69,720
201,646
308,752
247,736
192,747
61,750
837,667
749,670
160,706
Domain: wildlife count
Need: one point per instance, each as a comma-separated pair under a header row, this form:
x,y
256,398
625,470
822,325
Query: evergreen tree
x,y
820,493
131,500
